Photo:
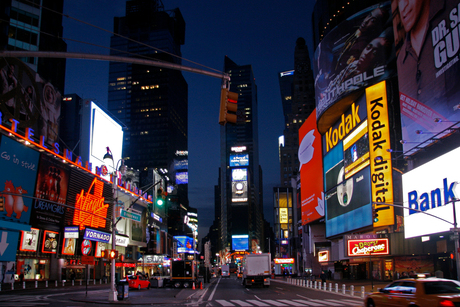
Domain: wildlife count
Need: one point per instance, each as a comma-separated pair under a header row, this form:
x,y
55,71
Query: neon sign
x,y
368,247
91,209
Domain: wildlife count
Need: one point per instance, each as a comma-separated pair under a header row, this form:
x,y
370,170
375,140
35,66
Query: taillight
x,y
446,303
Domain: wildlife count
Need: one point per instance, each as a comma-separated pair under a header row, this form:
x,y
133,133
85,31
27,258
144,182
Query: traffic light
x,y
113,254
121,257
228,107
105,254
375,215
161,197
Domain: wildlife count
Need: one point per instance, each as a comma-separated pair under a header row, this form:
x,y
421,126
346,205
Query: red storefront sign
x,y
362,247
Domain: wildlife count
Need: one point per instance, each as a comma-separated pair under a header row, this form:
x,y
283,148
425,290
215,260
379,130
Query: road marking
x,y
224,303
258,303
330,303
294,303
352,301
213,291
241,303
309,303
275,303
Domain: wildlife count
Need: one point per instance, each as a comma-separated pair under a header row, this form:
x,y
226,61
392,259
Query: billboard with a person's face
x,y
427,48
357,53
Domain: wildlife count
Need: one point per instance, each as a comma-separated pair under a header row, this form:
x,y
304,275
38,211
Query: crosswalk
x,y
293,302
22,300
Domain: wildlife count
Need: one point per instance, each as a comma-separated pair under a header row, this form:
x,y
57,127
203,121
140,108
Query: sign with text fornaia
x,y
431,188
428,81
366,247
311,166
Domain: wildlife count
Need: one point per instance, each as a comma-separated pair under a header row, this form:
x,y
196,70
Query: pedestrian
x,y
329,275
323,277
21,277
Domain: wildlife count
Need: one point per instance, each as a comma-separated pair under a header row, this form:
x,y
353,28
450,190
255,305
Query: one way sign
x,y
8,245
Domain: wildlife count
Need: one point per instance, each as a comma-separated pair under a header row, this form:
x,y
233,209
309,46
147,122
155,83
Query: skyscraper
x,y
152,102
241,205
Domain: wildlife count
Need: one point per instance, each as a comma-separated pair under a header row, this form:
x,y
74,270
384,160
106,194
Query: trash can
x,y
160,282
154,283
122,290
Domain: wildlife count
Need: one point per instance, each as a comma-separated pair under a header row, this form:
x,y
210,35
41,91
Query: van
x,y
225,271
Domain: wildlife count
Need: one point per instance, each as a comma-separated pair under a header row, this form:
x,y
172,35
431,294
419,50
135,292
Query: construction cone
x,y
201,286
193,288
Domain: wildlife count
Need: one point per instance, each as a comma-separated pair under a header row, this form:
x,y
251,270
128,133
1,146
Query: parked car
x,y
423,292
138,282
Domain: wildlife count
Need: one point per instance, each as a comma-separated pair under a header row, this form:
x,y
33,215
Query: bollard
x,y
325,286
55,283
46,284
12,286
73,282
303,283
94,281
344,290
336,288
352,290
63,283
80,282
23,285
36,284
100,281
330,287
362,292
316,284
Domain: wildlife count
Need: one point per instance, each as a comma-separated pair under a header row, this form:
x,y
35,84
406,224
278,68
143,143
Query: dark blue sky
x,y
259,33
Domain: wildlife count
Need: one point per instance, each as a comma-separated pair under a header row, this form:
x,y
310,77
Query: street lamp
x,y
107,158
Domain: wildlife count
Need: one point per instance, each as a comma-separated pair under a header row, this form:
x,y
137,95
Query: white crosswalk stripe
x,y
285,302
241,303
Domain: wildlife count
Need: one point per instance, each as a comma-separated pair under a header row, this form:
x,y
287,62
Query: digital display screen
x,y
240,242
239,174
184,244
239,160
356,151
182,178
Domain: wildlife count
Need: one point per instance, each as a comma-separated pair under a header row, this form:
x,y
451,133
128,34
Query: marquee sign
x,y
368,247
284,260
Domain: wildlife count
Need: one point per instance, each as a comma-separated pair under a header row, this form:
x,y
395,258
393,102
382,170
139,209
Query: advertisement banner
x,y
18,165
29,240
432,188
311,166
50,191
50,242
427,40
28,99
366,247
239,185
380,157
357,53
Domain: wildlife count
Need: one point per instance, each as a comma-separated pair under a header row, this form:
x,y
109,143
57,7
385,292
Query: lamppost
x,y
107,158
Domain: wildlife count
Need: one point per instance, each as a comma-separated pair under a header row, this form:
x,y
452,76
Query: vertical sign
x,y
380,158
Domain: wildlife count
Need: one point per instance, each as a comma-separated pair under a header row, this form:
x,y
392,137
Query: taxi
x,y
138,282
420,292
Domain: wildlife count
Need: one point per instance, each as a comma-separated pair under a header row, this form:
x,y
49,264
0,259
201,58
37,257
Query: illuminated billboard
x,y
368,247
240,242
355,54
429,75
431,188
284,215
239,185
181,177
180,164
184,244
239,160
102,132
311,165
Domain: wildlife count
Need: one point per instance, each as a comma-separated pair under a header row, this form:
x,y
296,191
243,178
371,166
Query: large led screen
x,y
355,54
239,185
428,72
181,177
431,188
239,160
104,132
348,202
184,244
240,242
356,150
311,166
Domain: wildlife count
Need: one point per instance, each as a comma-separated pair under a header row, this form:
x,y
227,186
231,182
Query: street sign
x,y
455,230
131,215
453,237
87,260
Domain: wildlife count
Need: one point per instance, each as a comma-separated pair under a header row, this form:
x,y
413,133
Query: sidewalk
x,y
369,285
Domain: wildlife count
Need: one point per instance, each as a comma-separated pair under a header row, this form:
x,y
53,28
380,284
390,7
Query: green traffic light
x,y
160,202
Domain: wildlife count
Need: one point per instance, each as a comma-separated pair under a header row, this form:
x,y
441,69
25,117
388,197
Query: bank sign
x,y
431,188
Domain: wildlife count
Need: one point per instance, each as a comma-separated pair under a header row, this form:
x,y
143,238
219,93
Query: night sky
x,y
260,33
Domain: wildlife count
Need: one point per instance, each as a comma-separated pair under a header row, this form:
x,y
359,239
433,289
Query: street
x,y
220,292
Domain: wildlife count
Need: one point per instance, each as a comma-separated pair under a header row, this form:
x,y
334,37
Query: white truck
x,y
225,270
257,270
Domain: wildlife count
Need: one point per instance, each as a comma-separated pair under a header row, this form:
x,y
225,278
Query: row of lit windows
x,y
149,87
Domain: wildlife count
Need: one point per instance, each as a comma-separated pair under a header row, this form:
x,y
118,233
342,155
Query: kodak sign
x,y
380,158
346,125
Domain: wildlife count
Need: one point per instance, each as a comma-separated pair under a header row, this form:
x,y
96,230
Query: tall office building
x,y
35,26
241,203
150,101
301,100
